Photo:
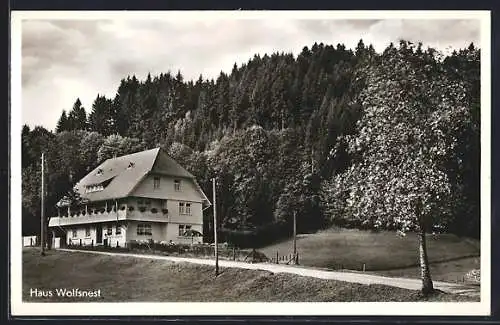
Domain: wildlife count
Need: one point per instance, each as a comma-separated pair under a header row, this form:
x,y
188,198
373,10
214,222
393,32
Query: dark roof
x,y
165,165
124,173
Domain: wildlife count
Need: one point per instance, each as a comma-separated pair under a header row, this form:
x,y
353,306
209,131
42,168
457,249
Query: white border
x,y
19,308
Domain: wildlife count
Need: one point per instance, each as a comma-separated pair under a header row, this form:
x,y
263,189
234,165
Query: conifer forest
x,y
340,137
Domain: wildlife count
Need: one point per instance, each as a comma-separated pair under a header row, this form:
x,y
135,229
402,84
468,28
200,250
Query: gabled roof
x,y
119,176
165,165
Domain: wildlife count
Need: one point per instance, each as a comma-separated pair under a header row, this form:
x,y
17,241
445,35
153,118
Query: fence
x,y
285,259
199,251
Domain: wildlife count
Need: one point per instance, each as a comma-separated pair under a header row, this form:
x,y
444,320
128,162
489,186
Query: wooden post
x,y
364,267
215,231
42,213
277,258
234,253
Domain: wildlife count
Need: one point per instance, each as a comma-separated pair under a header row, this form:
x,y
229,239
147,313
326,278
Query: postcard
x,y
250,163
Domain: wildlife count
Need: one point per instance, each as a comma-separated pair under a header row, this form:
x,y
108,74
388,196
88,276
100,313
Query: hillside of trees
x,y
344,137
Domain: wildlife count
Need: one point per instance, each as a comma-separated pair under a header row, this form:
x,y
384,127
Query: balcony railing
x,y
155,215
135,214
87,218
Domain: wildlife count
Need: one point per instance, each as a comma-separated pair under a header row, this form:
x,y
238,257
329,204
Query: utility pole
x,y
312,160
215,231
282,120
294,236
42,214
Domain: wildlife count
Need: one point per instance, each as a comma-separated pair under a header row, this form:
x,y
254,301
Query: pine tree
x,y
62,124
101,118
77,117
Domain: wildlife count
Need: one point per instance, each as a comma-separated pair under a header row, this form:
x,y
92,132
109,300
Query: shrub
x,y
165,211
154,210
473,276
142,209
253,238
122,207
131,208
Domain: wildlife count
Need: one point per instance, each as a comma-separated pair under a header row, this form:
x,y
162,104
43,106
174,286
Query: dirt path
x,y
361,278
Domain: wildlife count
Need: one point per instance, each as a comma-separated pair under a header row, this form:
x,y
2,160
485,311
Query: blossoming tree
x,y
411,114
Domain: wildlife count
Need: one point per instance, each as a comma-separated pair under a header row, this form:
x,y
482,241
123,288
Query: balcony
x,y
87,218
135,214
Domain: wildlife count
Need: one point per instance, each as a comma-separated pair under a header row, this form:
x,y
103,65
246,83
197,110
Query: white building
x,y
141,196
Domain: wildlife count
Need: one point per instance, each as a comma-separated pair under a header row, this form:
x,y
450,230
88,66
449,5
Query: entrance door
x,y
98,234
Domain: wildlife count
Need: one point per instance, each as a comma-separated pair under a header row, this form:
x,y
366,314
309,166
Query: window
x,y
156,182
177,185
184,208
75,234
144,229
110,230
94,188
118,230
183,229
87,232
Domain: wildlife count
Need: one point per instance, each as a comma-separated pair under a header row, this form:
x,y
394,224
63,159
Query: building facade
x,y
138,197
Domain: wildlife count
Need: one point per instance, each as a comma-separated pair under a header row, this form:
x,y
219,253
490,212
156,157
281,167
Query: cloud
x,y
66,59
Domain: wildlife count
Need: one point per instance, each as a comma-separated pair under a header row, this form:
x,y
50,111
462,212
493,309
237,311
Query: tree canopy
x,y
349,137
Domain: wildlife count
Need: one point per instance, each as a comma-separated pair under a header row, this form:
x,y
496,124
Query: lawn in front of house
x,y
382,252
121,279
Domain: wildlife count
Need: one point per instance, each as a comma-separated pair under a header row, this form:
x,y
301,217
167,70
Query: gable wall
x,y
188,192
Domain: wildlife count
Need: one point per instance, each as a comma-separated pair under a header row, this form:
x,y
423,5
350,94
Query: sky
x,y
66,59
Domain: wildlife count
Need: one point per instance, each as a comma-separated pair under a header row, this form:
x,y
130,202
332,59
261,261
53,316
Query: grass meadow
x,y
127,279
